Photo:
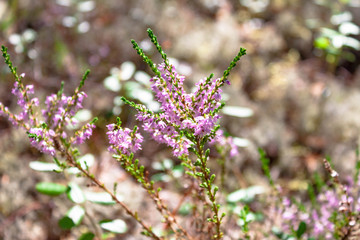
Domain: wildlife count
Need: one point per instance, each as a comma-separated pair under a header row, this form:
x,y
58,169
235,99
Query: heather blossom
x,y
186,122
22,93
42,139
84,133
181,111
123,140
60,110
185,119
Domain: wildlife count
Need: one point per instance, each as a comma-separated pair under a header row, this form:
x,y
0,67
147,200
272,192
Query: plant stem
x,y
70,159
206,178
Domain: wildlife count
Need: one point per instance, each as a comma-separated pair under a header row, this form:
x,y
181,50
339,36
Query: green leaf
x,y
241,142
75,193
72,218
101,198
322,43
44,166
301,229
87,236
66,223
185,209
245,195
51,189
115,226
160,177
83,115
112,83
236,111
178,171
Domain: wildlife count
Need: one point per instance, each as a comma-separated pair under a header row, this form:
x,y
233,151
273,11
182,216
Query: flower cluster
x,y
333,211
60,110
185,119
84,133
181,111
22,94
322,226
123,140
25,117
42,139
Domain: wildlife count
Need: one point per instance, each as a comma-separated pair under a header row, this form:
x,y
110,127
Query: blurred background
x,y
295,94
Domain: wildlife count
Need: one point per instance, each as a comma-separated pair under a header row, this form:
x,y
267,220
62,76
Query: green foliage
x,y
265,166
226,73
75,194
357,167
244,217
87,236
51,189
301,229
8,62
72,218
115,226
336,40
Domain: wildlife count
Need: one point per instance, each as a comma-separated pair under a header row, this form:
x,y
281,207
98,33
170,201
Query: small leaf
x,y
348,28
161,177
101,198
66,223
178,171
51,189
322,43
73,217
241,142
127,69
301,229
83,115
245,195
236,111
112,83
87,236
115,226
185,209
75,193
44,166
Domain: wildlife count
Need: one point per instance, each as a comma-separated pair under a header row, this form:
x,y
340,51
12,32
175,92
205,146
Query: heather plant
x,y
332,214
188,123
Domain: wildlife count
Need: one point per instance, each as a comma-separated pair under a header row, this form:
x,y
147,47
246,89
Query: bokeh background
x,y
296,93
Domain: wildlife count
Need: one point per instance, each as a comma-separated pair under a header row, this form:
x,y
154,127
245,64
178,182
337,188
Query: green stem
x,y
208,180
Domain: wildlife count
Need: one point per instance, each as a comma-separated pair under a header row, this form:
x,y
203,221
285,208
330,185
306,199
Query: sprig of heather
x,y
51,138
59,111
124,142
83,133
74,103
187,121
22,93
162,129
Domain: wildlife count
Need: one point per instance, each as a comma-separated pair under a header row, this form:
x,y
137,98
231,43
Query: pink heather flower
x,y
221,140
22,95
124,140
181,111
56,108
42,140
84,133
